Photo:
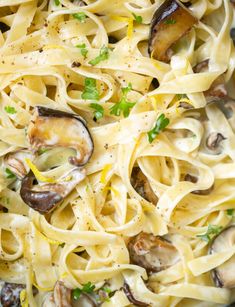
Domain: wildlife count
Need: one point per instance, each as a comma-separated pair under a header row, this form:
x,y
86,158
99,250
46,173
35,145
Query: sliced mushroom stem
x,y
170,22
131,298
53,128
154,253
44,198
223,275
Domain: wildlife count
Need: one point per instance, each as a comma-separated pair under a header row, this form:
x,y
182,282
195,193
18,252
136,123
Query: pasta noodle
x,y
89,58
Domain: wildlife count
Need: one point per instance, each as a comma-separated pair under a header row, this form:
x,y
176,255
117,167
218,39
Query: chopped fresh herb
x,y
123,106
10,110
9,173
230,212
62,244
81,16
170,21
90,90
103,55
87,288
42,151
104,295
99,110
57,2
160,125
211,230
83,50
138,19
181,96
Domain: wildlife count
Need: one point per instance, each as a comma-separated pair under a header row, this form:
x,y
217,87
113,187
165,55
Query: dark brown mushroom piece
x,y
46,197
131,298
62,297
52,128
217,90
213,141
142,186
194,179
10,294
223,275
170,22
154,253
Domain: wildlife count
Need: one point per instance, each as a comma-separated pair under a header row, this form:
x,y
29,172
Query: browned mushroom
x,y
15,162
154,253
213,141
170,22
217,89
50,128
62,297
142,186
223,275
10,295
194,179
45,197
131,297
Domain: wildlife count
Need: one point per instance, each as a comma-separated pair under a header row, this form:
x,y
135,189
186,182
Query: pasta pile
x,y
86,58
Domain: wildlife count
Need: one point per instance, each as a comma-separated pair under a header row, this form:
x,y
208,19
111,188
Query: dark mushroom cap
x,y
142,186
10,295
170,22
154,253
223,275
44,198
53,128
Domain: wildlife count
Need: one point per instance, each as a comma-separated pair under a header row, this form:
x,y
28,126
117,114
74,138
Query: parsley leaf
x,y
138,19
90,90
81,16
99,110
123,106
230,212
87,288
83,49
62,244
10,110
9,174
160,125
104,55
181,96
57,2
211,230
170,21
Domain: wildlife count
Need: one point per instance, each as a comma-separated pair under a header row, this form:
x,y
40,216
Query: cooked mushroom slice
x,y
44,198
62,295
131,298
51,128
194,179
142,186
170,22
154,253
15,161
10,295
223,275
213,141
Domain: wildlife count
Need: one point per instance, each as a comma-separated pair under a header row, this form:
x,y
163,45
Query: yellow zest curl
x,y
104,172
37,173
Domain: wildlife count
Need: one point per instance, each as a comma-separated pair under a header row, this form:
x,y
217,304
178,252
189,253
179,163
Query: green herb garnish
x,y
10,110
99,110
230,212
62,244
42,151
90,90
138,19
181,96
9,173
170,21
81,16
57,2
87,288
83,50
103,55
211,230
160,125
123,106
